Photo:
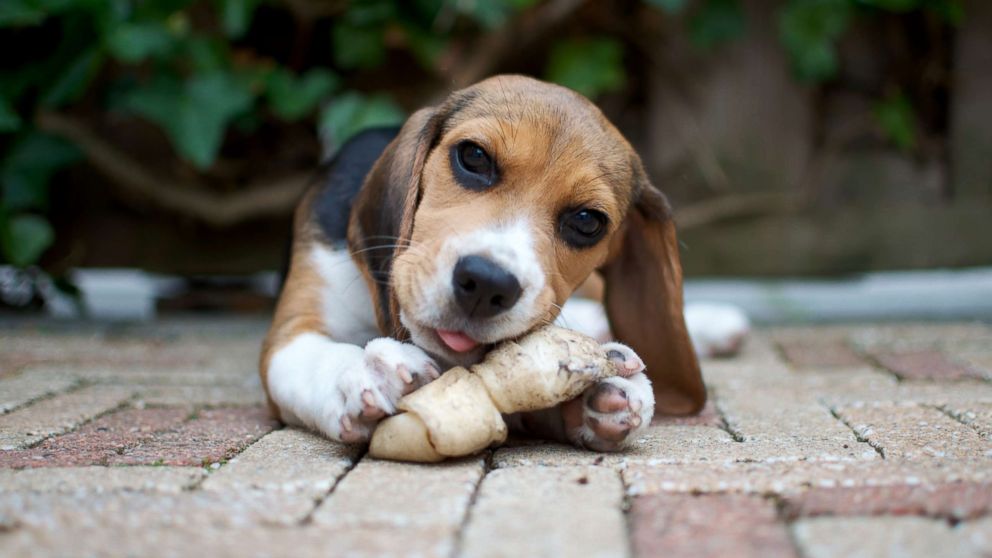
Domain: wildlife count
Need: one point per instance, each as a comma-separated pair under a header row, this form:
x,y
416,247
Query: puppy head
x,y
513,192
520,194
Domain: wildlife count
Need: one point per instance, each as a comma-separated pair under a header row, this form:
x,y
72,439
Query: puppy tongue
x,y
457,341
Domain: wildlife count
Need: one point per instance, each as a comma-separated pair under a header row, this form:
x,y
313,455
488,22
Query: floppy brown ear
x,y
381,219
643,299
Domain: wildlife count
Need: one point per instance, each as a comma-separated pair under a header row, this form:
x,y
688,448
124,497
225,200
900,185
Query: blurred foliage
x,y
896,117
589,66
716,22
194,70
810,29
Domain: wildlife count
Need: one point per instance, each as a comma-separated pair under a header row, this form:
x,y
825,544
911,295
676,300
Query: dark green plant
x,y
192,70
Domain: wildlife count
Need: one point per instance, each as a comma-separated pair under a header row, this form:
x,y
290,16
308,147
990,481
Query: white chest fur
x,y
346,305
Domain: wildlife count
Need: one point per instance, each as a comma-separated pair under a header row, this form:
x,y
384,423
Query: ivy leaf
x,y
28,167
670,6
951,11
487,13
134,42
9,120
25,238
897,119
588,66
427,47
353,112
716,22
236,15
292,98
358,46
372,12
21,13
809,30
893,5
194,114
207,54
71,82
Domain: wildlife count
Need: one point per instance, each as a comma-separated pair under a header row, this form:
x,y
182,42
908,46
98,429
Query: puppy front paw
x,y
400,368
608,415
371,387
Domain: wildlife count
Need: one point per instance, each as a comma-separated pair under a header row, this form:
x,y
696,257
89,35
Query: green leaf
x,y
897,119
670,6
371,12
716,22
207,54
951,11
810,29
211,101
21,13
25,238
195,114
292,98
353,112
427,47
358,47
589,66
72,81
893,5
487,13
9,120
236,15
134,42
521,4
28,167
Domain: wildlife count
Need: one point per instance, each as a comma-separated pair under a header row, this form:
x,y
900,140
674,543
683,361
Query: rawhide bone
x,y
460,413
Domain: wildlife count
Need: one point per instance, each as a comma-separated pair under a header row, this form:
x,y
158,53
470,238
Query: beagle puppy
x,y
470,225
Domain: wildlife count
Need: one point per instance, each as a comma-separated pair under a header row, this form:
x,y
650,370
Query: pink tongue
x,y
457,341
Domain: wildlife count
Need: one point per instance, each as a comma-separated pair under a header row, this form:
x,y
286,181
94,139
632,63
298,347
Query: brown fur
x,y
555,150
298,310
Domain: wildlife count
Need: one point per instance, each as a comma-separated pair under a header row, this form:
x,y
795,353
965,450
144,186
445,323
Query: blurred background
x,y
153,150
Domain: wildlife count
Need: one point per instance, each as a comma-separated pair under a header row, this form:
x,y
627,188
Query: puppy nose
x,y
482,288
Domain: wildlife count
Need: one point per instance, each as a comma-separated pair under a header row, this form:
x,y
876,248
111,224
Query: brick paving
x,y
922,365
150,440
676,525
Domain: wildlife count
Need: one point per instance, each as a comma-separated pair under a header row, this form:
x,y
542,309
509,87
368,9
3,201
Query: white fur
x,y
319,383
585,316
316,382
346,305
510,246
639,394
716,329
636,416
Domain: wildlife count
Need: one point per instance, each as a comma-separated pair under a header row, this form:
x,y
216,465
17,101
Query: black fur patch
x,y
344,177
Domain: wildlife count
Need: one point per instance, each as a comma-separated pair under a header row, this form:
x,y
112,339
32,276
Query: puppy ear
x,y
381,219
643,300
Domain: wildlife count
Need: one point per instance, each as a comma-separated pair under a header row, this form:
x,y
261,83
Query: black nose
x,y
482,288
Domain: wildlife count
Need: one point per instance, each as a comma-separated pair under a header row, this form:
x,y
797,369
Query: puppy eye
x,y
582,228
473,167
474,158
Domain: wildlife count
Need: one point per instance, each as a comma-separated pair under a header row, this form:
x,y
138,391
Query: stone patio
x,y
150,440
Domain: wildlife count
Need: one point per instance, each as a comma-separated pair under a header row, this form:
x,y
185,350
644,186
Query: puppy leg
x,y
716,330
586,316
606,417
343,390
